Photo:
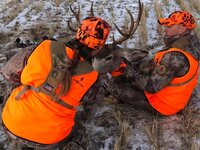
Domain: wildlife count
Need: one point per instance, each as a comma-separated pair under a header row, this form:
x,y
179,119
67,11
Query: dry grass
x,y
37,7
57,2
125,28
158,9
12,14
5,37
14,8
3,88
142,39
166,2
197,31
183,5
153,133
6,87
190,128
195,145
195,4
122,140
54,29
41,29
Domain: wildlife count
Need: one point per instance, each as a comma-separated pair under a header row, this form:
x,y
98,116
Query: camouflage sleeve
x,y
97,91
150,77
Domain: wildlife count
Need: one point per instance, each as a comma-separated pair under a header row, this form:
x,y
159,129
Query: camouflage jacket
x,y
152,78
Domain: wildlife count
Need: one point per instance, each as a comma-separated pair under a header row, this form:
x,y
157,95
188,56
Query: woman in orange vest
x,y
166,82
40,113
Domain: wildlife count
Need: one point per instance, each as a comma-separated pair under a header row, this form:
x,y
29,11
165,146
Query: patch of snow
x,y
107,144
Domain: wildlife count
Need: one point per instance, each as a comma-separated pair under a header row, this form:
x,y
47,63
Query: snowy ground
x,y
31,20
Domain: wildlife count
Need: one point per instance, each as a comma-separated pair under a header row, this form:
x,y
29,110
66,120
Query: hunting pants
x,y
77,140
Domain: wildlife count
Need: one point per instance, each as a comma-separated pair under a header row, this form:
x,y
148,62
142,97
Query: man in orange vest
x,y
40,113
166,82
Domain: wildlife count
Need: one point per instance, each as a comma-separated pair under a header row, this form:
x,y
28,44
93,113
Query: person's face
x,y
174,30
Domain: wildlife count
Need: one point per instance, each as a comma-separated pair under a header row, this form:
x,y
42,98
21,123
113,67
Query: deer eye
x,y
109,58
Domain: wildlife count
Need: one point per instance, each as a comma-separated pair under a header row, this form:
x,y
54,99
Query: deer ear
x,y
134,55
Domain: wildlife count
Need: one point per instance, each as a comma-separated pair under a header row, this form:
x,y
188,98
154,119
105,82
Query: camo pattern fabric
x,y
77,140
25,143
13,68
97,91
151,78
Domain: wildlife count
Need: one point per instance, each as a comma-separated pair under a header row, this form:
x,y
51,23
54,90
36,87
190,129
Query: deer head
x,y
108,59
111,55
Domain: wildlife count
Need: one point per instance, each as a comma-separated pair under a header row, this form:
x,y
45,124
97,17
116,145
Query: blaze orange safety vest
x,y
175,96
35,116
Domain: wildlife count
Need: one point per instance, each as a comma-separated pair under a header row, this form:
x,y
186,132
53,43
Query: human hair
x,y
76,46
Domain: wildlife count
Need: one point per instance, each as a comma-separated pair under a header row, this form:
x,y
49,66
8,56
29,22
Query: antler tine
x,y
132,28
77,16
125,35
139,16
113,38
70,27
91,10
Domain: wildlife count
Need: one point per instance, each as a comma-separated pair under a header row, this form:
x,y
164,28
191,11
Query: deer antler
x,y
91,10
77,16
132,28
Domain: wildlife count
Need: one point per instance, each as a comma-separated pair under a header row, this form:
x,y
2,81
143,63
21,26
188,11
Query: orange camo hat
x,y
93,32
179,17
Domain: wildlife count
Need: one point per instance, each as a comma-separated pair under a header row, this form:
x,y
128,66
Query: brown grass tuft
x,y
190,127
195,4
122,140
184,5
197,31
5,37
40,30
158,9
12,14
13,10
142,40
152,132
57,2
37,7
